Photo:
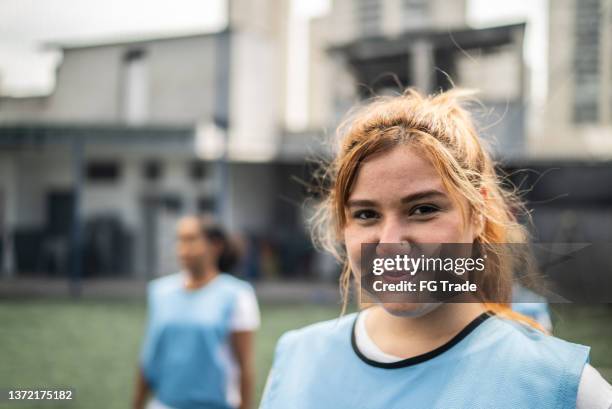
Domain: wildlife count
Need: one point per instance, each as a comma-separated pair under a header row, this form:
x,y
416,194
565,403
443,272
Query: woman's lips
x,y
393,276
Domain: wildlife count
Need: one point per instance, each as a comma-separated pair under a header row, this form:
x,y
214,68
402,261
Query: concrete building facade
x,y
137,133
579,104
371,47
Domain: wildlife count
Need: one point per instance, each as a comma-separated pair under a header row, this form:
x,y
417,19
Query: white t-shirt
x,y
593,391
246,317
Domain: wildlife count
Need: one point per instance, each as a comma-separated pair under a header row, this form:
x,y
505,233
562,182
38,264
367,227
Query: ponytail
x,y
229,253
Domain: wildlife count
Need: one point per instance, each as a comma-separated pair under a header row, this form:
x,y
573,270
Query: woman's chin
x,y
409,310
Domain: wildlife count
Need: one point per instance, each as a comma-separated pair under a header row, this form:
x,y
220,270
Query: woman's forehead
x,y
398,172
188,225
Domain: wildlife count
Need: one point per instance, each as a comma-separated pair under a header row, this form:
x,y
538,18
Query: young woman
x,y
198,351
411,169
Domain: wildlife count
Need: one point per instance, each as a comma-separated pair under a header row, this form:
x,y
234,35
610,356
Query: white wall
x,y
183,83
20,109
254,109
448,14
87,86
497,76
332,91
90,84
258,75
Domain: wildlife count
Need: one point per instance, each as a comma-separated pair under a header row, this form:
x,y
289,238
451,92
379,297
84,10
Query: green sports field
x,y
92,345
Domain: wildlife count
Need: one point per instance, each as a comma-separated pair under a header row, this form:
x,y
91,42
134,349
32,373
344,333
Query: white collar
x,y
366,345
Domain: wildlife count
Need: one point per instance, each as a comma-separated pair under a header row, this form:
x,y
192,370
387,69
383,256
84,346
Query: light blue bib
x,y
493,363
181,354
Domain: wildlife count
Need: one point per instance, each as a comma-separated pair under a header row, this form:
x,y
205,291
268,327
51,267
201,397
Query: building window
x,y
171,203
369,16
103,171
587,61
153,170
415,14
197,170
205,205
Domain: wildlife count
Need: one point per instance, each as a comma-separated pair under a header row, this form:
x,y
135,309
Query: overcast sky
x,y
25,25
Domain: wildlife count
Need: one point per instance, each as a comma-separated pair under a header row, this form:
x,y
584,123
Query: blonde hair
x,y
441,128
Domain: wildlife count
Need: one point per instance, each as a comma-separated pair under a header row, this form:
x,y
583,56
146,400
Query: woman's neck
x,y
426,333
201,277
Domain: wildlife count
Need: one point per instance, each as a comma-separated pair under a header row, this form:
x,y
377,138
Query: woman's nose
x,y
394,239
393,231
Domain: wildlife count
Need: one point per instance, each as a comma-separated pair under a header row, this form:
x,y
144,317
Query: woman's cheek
x,y
447,229
354,236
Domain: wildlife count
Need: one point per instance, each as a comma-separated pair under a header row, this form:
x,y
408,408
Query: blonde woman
x,y
411,169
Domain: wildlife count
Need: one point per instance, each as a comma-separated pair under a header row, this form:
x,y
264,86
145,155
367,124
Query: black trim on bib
x,y
423,357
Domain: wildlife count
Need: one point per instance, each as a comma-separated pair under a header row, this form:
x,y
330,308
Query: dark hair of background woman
x,y
229,254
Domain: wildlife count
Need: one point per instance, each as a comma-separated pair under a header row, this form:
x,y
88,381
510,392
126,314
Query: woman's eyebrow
x,y
426,194
360,203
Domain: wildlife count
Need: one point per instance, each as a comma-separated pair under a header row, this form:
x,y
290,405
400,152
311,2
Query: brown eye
x,y
425,210
364,214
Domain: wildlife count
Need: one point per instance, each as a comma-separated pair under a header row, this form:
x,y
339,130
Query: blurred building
x,y
373,47
570,156
579,105
137,133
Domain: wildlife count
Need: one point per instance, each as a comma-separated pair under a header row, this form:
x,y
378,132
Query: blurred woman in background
x,y
411,169
198,346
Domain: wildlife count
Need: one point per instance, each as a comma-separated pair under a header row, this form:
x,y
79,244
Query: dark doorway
x,y
56,246
59,213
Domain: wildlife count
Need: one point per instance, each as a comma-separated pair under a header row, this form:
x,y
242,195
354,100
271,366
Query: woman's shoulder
x,y
526,350
317,335
234,284
531,344
165,283
532,340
